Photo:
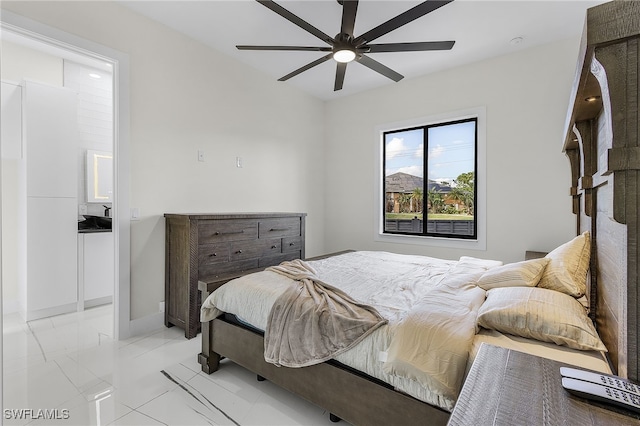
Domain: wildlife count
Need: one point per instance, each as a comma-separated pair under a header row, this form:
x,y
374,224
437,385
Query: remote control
x,y
601,379
602,393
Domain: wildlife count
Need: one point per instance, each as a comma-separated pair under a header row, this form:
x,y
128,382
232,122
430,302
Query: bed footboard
x,y
338,390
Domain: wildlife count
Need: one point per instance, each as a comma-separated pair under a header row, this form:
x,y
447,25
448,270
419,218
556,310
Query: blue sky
x,y
451,151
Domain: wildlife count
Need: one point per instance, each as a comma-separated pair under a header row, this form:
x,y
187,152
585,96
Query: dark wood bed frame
x,y
602,143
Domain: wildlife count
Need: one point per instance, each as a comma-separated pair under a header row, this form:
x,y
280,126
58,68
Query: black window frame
x,y
425,187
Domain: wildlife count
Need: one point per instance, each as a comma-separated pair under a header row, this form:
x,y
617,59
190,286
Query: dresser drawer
x,y
214,231
213,272
250,249
213,253
281,227
276,260
291,244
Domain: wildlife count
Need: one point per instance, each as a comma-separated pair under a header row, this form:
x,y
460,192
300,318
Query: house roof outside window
x,y
406,183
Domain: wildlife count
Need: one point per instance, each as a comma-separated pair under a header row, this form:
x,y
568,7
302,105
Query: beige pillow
x,y
541,314
520,274
567,269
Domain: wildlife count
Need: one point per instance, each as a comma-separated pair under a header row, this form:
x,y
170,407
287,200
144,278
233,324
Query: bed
x,y
601,142
430,306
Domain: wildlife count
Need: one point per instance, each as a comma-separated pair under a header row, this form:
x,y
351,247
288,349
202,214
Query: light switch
x,y
200,155
239,162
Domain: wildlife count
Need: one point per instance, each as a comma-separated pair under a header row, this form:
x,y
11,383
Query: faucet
x,y
106,210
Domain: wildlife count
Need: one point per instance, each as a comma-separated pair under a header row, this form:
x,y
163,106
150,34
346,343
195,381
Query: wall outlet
x,y
82,209
201,156
135,213
161,306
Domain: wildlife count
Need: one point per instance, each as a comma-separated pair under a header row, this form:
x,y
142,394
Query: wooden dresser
x,y
220,247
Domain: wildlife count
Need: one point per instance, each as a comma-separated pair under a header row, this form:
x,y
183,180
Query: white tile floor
x,y
71,367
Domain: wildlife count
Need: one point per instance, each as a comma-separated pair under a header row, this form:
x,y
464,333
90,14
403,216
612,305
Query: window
x,y
431,181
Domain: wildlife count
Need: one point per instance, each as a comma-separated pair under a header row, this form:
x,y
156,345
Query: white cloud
x,y
437,151
412,170
420,151
394,147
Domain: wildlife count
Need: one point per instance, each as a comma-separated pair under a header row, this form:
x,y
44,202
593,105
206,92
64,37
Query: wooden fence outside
x,y
451,227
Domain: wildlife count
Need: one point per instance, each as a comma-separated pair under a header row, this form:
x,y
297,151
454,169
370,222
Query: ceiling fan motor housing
x,y
343,48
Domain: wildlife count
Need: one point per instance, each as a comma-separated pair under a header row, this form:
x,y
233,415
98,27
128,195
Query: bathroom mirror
x,y
99,176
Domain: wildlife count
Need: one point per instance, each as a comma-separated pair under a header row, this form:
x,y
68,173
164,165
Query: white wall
x,y
95,122
185,97
526,97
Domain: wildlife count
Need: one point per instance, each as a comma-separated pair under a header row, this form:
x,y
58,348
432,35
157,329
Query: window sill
x,y
456,243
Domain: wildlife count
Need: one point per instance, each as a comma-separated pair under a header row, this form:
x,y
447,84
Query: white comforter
x,y
429,303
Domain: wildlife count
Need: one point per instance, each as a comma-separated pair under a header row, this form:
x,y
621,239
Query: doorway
x,y
72,48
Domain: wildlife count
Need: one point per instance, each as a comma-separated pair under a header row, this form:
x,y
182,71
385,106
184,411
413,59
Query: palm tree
x,y
416,196
435,200
404,200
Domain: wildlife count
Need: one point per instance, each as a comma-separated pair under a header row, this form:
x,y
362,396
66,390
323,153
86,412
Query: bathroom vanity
x,y
95,267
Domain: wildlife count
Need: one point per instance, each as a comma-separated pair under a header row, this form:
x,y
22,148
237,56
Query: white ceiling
x,y
481,29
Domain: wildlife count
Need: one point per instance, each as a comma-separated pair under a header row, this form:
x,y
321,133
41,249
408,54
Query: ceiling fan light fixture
x,y
344,55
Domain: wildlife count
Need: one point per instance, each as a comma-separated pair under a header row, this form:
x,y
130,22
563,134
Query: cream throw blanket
x,y
312,321
432,344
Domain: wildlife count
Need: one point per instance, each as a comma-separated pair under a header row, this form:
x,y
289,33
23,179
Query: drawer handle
x,y
229,233
213,254
278,229
292,244
239,251
274,247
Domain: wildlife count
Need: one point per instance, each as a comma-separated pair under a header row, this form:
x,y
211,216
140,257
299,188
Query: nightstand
x,y
506,387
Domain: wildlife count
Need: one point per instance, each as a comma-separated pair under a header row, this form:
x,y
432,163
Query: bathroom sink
x,y
98,222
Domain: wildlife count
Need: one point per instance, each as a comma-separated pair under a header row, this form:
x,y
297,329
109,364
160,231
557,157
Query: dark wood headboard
x,y
602,143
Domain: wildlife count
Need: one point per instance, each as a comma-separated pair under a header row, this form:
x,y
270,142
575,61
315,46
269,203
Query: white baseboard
x,y
146,324
32,315
97,302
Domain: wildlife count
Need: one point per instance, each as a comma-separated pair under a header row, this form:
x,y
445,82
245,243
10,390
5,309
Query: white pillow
x,y
541,314
520,274
474,264
567,269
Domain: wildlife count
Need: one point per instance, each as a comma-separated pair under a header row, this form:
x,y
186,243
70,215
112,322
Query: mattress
x,y
392,283
592,360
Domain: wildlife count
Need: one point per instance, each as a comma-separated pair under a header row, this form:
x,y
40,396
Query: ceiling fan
x,y
345,48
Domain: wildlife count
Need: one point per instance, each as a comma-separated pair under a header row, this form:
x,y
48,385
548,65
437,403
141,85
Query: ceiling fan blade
x,y
378,67
306,67
400,20
340,70
275,7
410,47
301,48
349,9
